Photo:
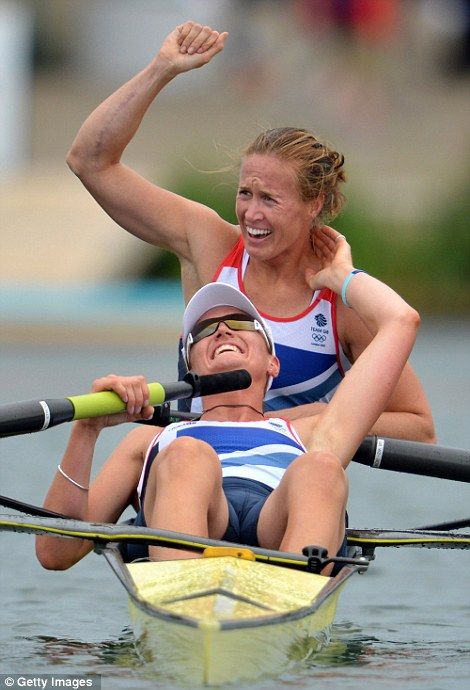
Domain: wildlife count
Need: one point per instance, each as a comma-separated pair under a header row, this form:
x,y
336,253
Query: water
x,y
406,623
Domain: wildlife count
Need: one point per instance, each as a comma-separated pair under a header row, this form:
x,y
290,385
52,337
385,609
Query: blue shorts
x,y
133,552
245,499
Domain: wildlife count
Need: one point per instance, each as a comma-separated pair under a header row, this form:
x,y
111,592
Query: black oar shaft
x,y
446,526
384,453
104,533
415,458
34,415
30,509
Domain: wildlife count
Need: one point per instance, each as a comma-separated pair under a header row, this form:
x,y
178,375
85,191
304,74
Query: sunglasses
x,y
235,322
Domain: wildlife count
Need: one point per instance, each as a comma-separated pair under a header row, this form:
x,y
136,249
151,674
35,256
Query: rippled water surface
x,y
404,624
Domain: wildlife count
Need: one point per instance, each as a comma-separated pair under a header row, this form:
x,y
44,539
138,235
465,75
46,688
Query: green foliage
x,y
427,263
163,265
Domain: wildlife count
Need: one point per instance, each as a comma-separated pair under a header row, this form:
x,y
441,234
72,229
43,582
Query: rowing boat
x,y
227,618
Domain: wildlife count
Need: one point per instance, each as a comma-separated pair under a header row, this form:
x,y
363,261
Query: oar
x,y
414,458
37,415
446,526
373,538
29,508
384,453
353,534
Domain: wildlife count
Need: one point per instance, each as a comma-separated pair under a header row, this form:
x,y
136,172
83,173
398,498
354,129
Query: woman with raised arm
x,y
289,187
236,474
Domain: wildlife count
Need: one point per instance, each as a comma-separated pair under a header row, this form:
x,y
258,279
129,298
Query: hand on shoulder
x,y
334,253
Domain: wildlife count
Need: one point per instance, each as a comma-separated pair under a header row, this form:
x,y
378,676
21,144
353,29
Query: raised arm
x,y
367,387
112,491
147,211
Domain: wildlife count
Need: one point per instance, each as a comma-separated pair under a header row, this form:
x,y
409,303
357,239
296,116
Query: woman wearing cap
x,y
289,187
236,474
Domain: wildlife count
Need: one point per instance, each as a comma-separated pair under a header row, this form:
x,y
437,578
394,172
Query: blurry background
x,y
384,81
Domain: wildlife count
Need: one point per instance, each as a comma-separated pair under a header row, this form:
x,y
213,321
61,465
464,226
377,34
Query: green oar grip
x,y
108,402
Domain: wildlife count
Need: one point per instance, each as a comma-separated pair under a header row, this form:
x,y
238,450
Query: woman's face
x,y
273,218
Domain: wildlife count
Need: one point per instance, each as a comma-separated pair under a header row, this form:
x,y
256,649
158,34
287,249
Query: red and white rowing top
x,y
312,360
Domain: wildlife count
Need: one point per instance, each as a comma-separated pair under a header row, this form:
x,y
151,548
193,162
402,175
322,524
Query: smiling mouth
x,y
258,233
226,347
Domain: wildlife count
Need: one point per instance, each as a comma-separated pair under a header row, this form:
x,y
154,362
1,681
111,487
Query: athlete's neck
x,y
288,265
278,291
225,412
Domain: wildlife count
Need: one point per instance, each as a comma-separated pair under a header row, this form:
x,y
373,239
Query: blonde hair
x,y
319,169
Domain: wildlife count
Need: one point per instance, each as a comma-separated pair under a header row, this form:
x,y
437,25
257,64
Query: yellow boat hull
x,y
210,621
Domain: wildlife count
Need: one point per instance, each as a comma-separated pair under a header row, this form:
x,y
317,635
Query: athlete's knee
x,y
320,468
326,461
331,473
186,456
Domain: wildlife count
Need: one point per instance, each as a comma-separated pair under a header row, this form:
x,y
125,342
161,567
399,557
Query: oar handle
x,y
108,402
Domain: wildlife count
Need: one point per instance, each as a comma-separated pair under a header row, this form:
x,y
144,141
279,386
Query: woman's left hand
x,y
133,390
334,253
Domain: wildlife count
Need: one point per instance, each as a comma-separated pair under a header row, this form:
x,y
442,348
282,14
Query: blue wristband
x,y
346,282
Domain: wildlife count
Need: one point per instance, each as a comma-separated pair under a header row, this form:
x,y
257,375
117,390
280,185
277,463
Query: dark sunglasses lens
x,y
200,333
235,322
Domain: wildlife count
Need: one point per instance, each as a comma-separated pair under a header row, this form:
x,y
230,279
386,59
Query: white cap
x,y
215,295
